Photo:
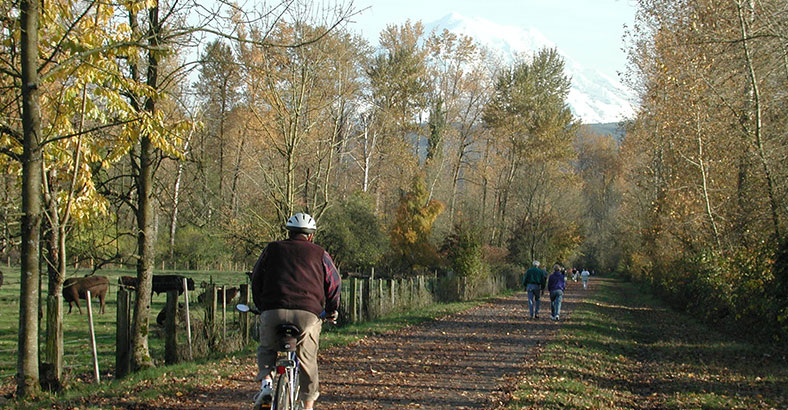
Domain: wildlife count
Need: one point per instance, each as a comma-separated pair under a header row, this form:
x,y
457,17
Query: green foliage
x,y
198,248
98,239
411,231
464,253
352,234
558,239
511,273
437,126
530,104
732,289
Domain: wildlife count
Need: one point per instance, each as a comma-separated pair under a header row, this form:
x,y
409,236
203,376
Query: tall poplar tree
x,y
27,351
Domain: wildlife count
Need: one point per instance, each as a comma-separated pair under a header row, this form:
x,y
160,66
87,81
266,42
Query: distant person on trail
x,y
534,282
584,277
556,284
293,282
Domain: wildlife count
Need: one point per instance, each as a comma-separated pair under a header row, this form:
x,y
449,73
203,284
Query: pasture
x,y
77,351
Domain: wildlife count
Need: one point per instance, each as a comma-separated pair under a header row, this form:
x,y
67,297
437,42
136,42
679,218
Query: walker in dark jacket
x,y
556,285
534,283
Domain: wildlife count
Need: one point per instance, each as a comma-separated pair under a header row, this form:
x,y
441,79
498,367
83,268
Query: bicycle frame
x,y
288,365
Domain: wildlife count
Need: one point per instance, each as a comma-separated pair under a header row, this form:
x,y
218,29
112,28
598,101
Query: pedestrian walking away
x,y
534,282
584,277
556,284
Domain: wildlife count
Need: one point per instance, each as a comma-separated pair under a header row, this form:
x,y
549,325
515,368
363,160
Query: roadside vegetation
x,y
623,349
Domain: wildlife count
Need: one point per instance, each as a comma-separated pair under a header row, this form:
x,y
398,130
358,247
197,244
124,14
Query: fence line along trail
x,y
470,359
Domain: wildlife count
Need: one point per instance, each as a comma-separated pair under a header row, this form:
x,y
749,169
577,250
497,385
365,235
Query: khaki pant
x,y
308,343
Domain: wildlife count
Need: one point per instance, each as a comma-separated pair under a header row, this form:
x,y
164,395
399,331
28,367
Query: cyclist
x,y
294,281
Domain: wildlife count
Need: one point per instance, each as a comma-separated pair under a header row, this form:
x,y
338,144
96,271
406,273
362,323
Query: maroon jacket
x,y
295,274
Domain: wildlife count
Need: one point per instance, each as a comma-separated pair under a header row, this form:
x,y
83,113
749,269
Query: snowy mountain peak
x,y
594,97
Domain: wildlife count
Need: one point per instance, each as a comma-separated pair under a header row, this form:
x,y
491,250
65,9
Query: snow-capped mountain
x,y
594,97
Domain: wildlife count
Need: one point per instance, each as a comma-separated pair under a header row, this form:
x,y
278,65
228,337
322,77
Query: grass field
x,y
622,349
77,352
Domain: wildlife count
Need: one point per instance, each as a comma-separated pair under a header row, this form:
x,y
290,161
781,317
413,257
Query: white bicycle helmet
x,y
301,222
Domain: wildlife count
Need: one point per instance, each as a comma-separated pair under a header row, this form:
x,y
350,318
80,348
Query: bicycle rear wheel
x,y
297,404
282,396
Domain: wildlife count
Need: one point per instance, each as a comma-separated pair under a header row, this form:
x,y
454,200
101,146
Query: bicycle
x,y
286,387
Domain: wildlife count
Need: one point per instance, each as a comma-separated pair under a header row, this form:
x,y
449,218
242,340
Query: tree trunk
x,y
176,203
369,149
236,177
705,186
756,101
27,357
52,366
140,353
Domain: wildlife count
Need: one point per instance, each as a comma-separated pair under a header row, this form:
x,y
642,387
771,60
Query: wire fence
x,y
106,348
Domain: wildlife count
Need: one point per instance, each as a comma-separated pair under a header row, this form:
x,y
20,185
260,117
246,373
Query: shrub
x,y
736,289
353,235
413,223
462,251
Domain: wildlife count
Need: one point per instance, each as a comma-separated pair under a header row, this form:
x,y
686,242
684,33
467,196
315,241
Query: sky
x,y
589,31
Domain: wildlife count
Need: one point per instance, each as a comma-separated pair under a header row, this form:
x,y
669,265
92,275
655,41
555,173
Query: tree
x,y
463,251
529,113
398,85
27,352
218,86
410,234
703,159
74,111
599,166
461,83
297,125
353,234
155,133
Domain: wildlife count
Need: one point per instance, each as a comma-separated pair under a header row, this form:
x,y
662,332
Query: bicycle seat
x,y
287,334
288,329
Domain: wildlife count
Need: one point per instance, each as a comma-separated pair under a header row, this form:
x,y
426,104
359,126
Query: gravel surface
x,y
471,359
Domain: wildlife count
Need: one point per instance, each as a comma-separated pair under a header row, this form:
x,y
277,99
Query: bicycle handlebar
x,y
246,308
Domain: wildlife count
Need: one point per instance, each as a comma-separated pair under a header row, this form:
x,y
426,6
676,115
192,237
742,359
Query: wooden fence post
x,y
93,339
170,334
366,294
410,291
420,287
353,301
188,318
123,334
224,312
380,297
359,284
243,317
400,297
210,311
